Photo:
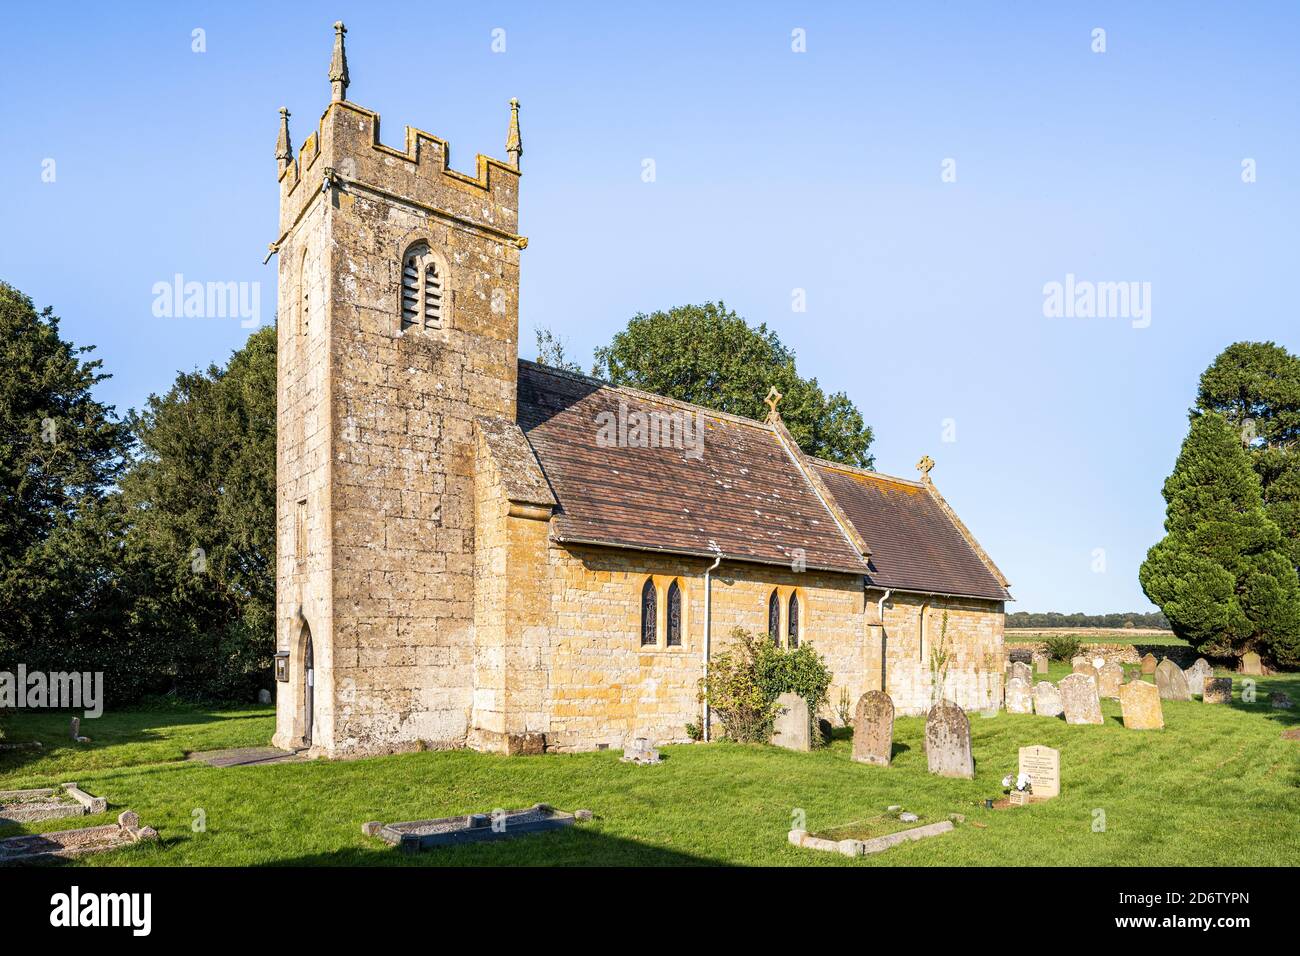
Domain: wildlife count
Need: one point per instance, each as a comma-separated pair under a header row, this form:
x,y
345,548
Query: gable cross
x,y
773,399
924,466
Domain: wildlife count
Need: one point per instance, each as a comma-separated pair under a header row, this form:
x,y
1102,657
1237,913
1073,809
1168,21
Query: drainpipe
x,y
708,631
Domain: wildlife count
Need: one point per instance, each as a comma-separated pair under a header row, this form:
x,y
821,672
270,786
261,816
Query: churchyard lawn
x,y
1217,787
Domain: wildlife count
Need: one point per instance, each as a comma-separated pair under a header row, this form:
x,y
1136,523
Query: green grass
x,y
1096,636
1217,787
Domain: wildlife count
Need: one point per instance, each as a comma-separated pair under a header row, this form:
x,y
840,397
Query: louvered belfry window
x,y
674,615
422,290
774,618
649,606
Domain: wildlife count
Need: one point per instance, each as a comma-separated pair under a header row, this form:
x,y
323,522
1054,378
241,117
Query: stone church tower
x,y
398,327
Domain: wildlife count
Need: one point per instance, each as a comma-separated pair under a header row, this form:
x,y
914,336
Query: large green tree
x,y
200,508
60,452
709,355
1221,573
1256,387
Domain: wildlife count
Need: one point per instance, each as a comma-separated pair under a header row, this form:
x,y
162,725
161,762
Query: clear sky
x,y
775,170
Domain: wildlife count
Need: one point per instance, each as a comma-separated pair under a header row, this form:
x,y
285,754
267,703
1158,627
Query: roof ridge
x,y
864,472
641,393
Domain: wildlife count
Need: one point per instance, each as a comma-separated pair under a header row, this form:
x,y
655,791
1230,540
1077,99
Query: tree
x,y
1221,574
551,351
60,452
200,508
708,355
1256,387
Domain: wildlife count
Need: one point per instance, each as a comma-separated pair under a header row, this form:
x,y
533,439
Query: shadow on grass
x,y
576,847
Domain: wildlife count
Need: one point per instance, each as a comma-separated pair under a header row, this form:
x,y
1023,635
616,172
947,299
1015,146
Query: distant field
x,y
1098,635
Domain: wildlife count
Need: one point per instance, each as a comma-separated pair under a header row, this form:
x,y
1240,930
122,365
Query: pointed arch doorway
x,y
308,687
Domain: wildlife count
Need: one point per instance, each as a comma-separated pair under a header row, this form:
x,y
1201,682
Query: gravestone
x,y
1047,699
1171,681
1251,664
1197,675
1108,680
1148,664
1018,699
1280,700
1139,702
873,729
1041,662
263,696
640,751
1024,672
1085,667
1077,662
1080,700
1098,663
791,728
947,741
1218,690
1043,766
74,728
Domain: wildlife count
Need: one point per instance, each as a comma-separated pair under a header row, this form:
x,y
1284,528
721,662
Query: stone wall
x,y
914,632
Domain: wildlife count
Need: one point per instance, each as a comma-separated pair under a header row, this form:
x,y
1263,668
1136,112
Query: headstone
x,y
1018,699
74,728
1139,702
1024,672
1251,664
947,741
1077,662
1108,680
263,696
1041,660
1047,699
1098,663
1280,700
1149,663
1079,699
873,729
1171,681
1218,690
791,728
640,751
1082,666
1043,766
1197,675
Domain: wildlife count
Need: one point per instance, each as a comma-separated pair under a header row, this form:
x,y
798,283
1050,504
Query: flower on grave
x,y
1019,782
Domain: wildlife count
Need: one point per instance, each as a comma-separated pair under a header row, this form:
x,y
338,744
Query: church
x,y
479,551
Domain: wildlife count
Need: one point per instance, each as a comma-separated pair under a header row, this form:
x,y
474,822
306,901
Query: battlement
x,y
346,149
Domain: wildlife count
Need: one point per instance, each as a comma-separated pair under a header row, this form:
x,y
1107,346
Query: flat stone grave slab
x,y
68,844
873,835
246,756
419,835
48,803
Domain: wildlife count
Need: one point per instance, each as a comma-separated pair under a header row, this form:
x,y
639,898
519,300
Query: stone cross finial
x,y
924,466
514,145
339,65
773,399
283,149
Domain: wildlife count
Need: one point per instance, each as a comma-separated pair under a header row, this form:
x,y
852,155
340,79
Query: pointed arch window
x,y
674,615
649,609
792,629
774,618
423,289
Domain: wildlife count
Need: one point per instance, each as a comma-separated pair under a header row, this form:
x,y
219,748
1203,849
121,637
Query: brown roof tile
x,y
742,494
914,545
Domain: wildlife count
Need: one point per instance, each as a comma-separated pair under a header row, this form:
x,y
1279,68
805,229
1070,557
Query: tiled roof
x,y
914,544
741,492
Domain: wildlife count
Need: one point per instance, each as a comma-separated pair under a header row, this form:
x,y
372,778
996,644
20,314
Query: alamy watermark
x,y
59,690
179,299
681,430
1084,299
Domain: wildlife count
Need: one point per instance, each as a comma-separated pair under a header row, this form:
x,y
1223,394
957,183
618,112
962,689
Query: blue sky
x,y
775,170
